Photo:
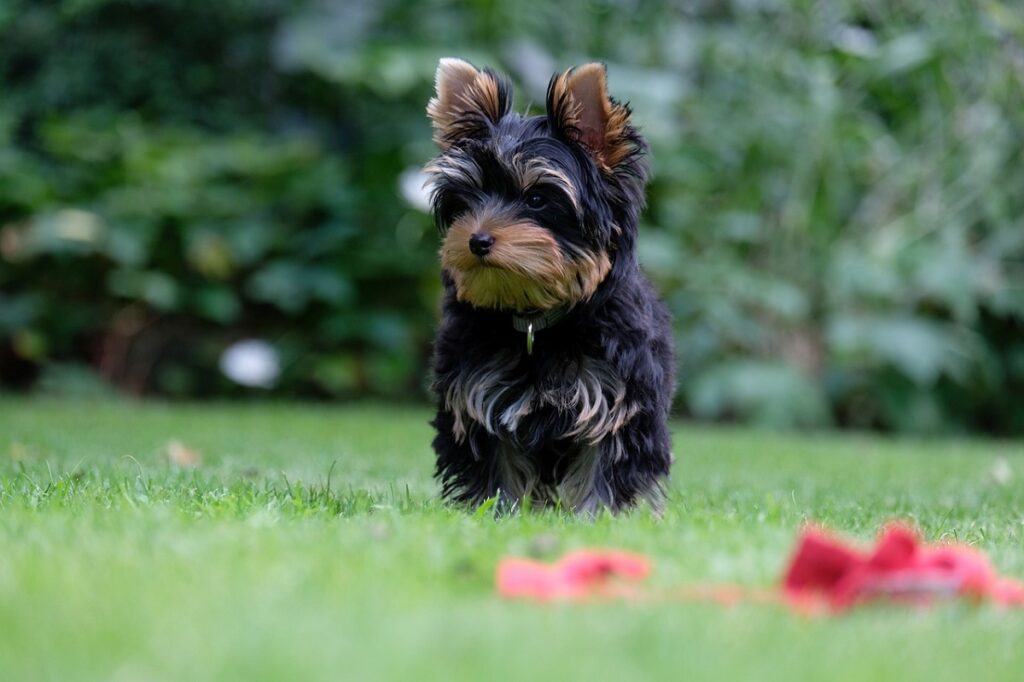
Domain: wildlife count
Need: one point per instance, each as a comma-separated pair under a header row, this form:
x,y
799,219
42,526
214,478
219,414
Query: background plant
x,y
837,218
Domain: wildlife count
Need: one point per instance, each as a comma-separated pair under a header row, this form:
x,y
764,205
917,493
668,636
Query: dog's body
x,y
553,363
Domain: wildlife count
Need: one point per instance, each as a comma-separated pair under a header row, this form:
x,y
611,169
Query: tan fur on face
x,y
526,268
600,120
461,89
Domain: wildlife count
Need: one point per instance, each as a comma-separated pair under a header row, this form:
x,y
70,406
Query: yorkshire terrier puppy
x,y
553,363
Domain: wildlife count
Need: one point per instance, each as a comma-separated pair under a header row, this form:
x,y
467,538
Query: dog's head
x,y
534,210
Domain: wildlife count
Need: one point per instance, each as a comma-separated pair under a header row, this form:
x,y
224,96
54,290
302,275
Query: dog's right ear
x,y
468,102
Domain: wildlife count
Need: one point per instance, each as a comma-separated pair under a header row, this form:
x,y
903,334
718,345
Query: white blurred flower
x,y
413,184
251,362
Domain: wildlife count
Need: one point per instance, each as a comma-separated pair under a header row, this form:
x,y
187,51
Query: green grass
x,y
309,545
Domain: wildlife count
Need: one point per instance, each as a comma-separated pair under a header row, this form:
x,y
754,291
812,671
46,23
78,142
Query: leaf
x,y
767,393
921,349
291,285
218,303
485,509
158,289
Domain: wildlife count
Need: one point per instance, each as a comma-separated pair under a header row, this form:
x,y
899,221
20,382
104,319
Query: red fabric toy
x,y
577,575
823,572
898,568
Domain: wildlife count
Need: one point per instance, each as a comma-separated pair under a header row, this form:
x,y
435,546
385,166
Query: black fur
x,y
622,333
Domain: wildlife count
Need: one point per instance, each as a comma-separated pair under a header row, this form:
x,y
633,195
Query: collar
x,y
537,322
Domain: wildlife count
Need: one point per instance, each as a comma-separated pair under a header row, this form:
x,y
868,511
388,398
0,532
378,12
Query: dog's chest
x,y
582,399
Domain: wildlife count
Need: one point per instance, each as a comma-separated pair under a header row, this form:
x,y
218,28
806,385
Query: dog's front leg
x,y
621,470
638,459
465,458
474,466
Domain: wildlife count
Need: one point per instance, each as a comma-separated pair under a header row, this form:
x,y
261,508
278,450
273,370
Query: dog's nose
x,y
480,243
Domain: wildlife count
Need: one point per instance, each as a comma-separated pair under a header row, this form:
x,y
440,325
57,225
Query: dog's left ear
x,y
579,107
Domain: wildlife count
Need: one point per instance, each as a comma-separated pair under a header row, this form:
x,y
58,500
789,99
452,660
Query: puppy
x,y
553,362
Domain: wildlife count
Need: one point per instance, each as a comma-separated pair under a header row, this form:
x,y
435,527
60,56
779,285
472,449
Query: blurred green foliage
x,y
836,220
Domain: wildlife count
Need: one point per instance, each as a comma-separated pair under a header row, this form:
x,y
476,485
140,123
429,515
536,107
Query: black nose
x,y
480,243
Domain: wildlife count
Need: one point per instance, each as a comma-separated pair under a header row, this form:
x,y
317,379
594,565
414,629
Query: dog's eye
x,y
536,200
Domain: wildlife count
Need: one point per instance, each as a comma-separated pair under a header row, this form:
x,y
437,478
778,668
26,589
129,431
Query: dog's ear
x,y
578,106
468,102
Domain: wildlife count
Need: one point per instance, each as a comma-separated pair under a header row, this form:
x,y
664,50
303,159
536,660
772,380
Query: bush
x,y
836,218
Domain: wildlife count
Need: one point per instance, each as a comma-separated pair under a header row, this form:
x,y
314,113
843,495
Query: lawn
x,y
309,545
